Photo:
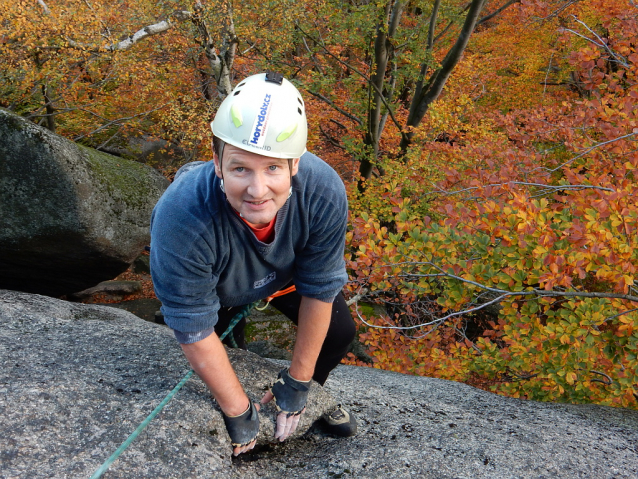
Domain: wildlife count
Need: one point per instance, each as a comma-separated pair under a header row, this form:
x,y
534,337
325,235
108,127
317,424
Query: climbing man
x,y
263,216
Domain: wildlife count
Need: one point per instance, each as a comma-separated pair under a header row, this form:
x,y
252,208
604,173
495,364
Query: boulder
x,y
70,216
116,289
76,380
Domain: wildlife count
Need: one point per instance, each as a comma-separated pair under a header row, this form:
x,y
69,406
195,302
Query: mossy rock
x,y
71,216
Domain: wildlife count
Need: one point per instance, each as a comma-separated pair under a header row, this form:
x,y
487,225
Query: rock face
x,y
70,216
76,380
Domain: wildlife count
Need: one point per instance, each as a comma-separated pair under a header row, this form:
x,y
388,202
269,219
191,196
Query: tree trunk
x,y
50,111
383,55
428,93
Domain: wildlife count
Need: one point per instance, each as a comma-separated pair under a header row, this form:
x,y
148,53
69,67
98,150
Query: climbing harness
x,y
275,295
245,311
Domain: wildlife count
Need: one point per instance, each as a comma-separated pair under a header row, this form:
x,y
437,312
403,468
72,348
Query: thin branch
x,y
117,121
330,139
357,297
602,44
312,57
474,346
438,320
332,104
561,9
496,12
607,382
540,185
549,67
589,150
506,293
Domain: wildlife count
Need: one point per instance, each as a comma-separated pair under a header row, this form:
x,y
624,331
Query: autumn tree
x,y
522,278
380,63
93,69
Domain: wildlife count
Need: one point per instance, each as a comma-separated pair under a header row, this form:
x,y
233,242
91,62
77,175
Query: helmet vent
x,y
241,84
237,93
300,112
300,101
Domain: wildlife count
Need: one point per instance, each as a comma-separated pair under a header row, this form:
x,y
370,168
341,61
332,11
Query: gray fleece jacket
x,y
203,256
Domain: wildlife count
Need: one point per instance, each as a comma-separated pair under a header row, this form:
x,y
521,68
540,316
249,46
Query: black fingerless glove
x,y
242,429
290,394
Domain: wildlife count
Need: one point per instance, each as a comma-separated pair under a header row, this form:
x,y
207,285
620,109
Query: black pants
x,y
340,333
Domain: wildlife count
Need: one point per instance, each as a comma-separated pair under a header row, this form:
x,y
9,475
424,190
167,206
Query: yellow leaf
x,y
570,377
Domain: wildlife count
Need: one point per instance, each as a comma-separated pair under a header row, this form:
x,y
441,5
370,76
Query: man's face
x,y
256,186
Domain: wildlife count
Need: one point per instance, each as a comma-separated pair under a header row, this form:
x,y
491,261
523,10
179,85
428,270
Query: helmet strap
x,y
290,173
220,154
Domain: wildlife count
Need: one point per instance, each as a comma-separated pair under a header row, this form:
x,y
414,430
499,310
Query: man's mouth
x,y
257,203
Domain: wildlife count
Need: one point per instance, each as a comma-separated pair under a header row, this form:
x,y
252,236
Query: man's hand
x,y
243,429
209,360
290,398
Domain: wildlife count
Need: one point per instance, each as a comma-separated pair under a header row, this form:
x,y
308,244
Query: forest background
x,y
488,148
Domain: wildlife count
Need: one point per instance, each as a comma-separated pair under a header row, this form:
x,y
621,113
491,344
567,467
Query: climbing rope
x,y
245,311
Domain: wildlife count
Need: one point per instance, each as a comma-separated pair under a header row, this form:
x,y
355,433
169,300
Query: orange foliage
x,y
534,212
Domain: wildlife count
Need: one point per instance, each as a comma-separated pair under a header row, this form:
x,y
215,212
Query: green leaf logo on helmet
x,y
264,114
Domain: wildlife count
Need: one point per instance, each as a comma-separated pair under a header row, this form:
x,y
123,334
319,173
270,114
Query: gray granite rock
x,y
70,216
75,380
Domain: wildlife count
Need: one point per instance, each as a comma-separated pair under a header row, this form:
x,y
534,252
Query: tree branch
x,y
44,7
540,185
330,139
505,293
590,149
156,28
332,104
496,12
116,121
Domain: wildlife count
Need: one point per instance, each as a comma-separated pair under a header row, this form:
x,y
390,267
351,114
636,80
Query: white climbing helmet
x,y
264,114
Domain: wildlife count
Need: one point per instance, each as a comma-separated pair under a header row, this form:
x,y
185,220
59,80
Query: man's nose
x,y
258,186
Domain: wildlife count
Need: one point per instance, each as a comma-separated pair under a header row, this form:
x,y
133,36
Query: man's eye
x,y
239,169
273,167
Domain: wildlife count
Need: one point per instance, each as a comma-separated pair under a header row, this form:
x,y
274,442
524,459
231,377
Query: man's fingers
x,y
286,425
241,449
295,423
267,397
282,420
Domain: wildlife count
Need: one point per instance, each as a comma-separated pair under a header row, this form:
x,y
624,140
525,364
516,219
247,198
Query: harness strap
x,y
276,295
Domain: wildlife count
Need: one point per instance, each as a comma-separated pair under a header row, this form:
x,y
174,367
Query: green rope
x,y
245,311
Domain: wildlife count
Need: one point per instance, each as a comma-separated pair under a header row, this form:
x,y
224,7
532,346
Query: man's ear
x,y
295,166
218,169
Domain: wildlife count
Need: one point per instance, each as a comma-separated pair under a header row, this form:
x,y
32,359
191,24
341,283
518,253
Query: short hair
x,y
218,147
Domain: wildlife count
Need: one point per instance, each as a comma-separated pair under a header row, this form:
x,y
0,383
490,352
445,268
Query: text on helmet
x,y
260,126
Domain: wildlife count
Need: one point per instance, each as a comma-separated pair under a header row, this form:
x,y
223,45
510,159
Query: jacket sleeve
x,y
181,268
320,268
